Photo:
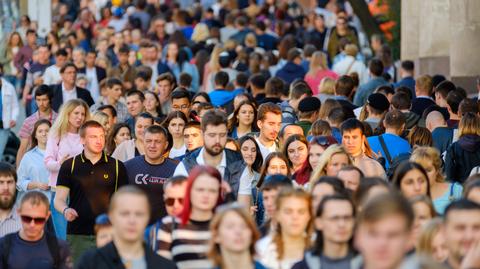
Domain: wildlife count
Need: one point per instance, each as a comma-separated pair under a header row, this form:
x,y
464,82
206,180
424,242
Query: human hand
x,y
472,259
70,214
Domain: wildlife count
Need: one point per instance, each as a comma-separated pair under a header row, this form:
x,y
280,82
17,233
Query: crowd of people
x,y
231,134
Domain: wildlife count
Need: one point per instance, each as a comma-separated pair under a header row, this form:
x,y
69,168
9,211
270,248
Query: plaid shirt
x,y
27,127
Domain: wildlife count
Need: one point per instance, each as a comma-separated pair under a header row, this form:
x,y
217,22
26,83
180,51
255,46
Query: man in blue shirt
x,y
394,145
375,68
406,72
151,171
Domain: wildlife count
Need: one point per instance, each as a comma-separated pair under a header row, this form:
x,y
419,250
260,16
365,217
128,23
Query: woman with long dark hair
x,y
411,180
253,160
175,123
120,132
244,120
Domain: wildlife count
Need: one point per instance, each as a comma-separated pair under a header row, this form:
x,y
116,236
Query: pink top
x,y
314,81
68,145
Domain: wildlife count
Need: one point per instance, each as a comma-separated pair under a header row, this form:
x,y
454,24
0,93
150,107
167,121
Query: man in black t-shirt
x,y
150,172
90,179
32,247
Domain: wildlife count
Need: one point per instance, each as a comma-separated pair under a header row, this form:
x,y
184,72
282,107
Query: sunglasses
x,y
171,201
28,219
320,140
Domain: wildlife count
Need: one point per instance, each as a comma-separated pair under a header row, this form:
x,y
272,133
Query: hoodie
x,y
220,97
462,156
290,71
411,119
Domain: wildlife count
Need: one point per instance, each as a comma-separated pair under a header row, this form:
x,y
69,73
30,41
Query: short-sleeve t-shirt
x,y
38,257
150,178
91,187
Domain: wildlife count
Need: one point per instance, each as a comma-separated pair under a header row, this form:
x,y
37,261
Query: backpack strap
x,y
385,149
54,249
116,174
451,196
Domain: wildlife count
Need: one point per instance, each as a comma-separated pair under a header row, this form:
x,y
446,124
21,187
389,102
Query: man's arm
x,y
61,205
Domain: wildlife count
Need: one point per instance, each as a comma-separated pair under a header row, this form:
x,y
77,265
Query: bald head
x,y
435,119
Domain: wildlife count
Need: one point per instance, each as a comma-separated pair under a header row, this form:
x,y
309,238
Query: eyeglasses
x,y
320,140
171,201
37,221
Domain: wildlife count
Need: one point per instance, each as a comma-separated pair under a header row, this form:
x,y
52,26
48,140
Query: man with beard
x,y
229,163
9,218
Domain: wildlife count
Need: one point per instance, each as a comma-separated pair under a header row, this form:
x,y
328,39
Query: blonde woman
x,y
318,70
102,118
326,89
331,161
212,67
234,234
286,245
431,241
63,143
200,33
442,192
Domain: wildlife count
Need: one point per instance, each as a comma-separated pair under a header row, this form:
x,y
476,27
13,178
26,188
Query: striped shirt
x,y
186,245
11,224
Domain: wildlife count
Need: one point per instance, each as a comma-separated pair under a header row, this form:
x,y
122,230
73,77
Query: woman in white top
x,y
350,64
175,123
286,244
32,173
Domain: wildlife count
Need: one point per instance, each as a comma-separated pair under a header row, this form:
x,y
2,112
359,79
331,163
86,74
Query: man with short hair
x,y
94,73
407,72
52,73
390,144
67,90
9,218
442,135
88,180
135,106
114,91
43,100
402,102
269,122
454,98
273,91
343,93
289,130
335,118
124,71
353,139
375,68
129,212
180,100
34,75
220,96
164,88
257,87
423,92
292,69
462,233
229,163
290,107
192,136
383,232
32,246
377,106
173,194
308,110
441,91
150,171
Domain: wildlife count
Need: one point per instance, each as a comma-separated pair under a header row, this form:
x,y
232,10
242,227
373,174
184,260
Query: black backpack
x,y
52,243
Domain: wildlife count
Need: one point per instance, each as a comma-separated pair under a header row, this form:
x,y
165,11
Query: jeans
x,y
4,133
59,221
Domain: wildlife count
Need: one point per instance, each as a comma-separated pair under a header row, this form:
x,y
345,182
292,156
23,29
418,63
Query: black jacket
x,y
461,157
107,257
101,73
57,99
